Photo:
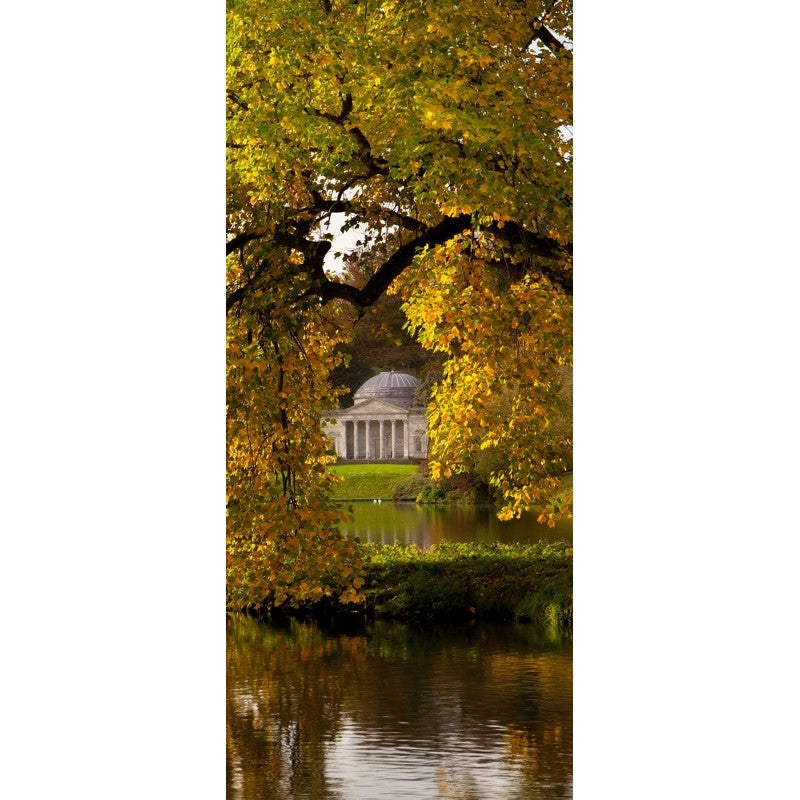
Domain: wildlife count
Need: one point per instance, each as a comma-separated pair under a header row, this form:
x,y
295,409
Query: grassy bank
x,y
369,481
455,582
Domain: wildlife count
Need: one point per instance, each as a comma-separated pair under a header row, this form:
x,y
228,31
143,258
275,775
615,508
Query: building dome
x,y
395,387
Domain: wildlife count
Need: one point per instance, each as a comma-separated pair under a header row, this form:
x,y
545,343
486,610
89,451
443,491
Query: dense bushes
x,y
455,581
412,487
461,488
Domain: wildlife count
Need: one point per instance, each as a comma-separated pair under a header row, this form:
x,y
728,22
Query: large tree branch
x,y
294,232
312,266
543,34
327,206
550,257
240,240
376,165
548,38
550,254
380,281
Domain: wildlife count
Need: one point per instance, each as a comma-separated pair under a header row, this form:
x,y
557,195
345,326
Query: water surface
x,y
425,525
478,712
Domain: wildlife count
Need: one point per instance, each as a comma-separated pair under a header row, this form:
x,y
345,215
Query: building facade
x,y
382,424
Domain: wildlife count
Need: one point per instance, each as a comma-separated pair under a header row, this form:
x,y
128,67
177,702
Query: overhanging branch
x,y
240,240
550,256
549,253
548,38
393,266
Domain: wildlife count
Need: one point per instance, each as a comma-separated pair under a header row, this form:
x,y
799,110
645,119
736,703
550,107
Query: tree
x,y
283,539
441,129
380,340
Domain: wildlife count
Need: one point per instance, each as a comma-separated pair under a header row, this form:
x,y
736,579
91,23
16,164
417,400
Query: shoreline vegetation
x,y
451,583
411,483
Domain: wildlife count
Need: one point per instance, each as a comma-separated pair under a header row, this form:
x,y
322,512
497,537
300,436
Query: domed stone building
x,y
382,424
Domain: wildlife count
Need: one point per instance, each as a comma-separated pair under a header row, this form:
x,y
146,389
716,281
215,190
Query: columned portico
x,y
382,425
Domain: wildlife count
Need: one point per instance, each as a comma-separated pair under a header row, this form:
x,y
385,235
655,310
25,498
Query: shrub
x,y
411,487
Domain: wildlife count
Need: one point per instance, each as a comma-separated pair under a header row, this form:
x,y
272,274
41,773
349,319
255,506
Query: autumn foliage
x,y
283,539
442,130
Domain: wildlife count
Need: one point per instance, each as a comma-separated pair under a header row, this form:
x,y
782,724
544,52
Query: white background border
x,y
685,409
114,400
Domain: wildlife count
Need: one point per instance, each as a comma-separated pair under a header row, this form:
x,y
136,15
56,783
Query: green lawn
x,y
369,481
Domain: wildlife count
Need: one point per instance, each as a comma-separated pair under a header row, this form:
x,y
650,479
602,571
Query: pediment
x,y
372,407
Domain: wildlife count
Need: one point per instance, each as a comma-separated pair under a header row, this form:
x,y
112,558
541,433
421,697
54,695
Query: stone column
x,y
405,439
394,438
380,440
361,425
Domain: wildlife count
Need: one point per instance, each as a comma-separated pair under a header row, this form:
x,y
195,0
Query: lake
x,y
482,712
426,525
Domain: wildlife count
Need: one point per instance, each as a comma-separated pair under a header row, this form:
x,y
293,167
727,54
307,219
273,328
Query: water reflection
x,y
395,712
408,523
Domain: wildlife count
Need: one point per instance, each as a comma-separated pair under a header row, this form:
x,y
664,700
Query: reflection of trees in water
x,y
450,787
458,693
502,693
425,525
540,751
284,706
